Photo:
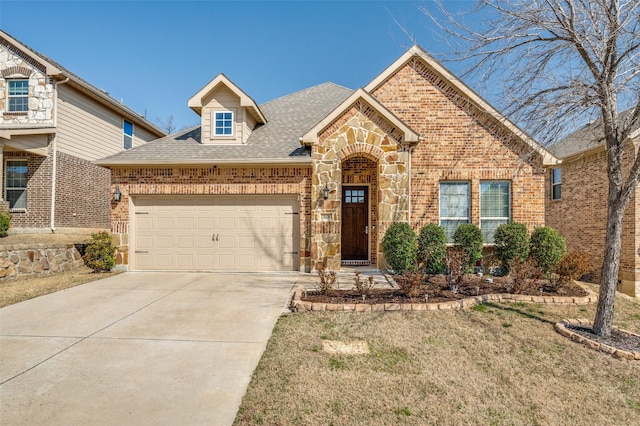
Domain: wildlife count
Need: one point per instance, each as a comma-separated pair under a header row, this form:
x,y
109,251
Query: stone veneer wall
x,y
580,215
83,193
212,181
459,142
361,132
16,64
29,259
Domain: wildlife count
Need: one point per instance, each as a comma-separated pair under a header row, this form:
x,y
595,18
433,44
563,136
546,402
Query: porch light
x,y
117,195
325,191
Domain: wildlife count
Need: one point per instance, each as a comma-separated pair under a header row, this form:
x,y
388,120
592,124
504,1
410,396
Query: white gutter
x,y
54,148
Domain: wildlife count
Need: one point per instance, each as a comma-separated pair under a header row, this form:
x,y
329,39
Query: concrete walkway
x,y
138,348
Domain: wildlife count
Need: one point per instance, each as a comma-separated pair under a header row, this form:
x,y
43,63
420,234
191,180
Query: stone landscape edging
x,y
562,327
300,305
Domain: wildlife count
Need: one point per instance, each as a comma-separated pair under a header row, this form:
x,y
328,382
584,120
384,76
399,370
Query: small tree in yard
x,y
400,247
511,242
547,248
99,254
432,246
467,239
560,64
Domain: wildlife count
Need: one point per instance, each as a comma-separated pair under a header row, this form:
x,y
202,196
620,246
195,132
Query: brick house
x,y
320,174
53,125
576,201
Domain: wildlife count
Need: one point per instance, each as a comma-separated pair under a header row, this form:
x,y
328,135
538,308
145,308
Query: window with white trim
x,y
495,207
223,123
127,130
556,183
16,184
18,95
454,206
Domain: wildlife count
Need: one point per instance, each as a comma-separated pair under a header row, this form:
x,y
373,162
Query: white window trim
x,y
214,135
133,131
10,96
554,184
6,167
508,218
457,218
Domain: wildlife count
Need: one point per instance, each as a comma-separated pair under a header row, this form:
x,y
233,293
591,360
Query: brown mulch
x,y
436,288
618,340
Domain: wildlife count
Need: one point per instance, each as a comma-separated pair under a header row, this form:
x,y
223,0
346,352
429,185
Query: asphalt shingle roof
x,y
288,119
584,139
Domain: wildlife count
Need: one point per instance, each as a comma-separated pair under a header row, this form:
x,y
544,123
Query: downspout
x,y
54,148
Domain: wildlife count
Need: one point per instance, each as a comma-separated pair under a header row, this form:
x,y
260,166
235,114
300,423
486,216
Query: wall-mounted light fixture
x,y
117,195
325,191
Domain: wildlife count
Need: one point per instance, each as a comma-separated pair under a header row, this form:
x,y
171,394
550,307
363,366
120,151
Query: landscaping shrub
x,y
99,254
547,248
524,273
456,263
327,280
5,222
363,287
573,265
400,247
511,242
432,246
468,240
410,283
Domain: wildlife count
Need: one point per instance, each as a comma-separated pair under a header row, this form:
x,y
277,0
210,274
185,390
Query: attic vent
x,y
28,59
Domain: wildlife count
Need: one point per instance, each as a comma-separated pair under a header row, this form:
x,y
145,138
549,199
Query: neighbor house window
x,y
495,207
16,184
454,206
18,95
556,183
127,129
223,123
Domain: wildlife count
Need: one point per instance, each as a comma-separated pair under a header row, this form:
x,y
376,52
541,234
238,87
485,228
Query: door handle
x,y
366,229
214,237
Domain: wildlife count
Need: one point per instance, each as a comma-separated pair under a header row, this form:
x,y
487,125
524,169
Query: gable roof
x,y
58,72
277,141
312,135
196,104
416,51
588,138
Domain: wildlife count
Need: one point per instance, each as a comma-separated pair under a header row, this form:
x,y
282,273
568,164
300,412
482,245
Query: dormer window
x,y
223,123
18,95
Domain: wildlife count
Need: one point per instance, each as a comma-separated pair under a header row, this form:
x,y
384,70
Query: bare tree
x,y
561,64
167,124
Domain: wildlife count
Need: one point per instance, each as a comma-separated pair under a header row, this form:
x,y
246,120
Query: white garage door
x,y
244,233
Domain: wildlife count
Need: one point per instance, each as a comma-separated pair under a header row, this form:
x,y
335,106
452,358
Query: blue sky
x,y
154,55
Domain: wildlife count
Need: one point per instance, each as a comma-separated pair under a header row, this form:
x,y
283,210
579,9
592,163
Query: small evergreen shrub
x,y
99,254
547,248
511,242
432,246
5,223
468,239
400,247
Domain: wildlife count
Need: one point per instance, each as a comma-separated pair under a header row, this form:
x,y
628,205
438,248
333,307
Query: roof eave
x,y
201,161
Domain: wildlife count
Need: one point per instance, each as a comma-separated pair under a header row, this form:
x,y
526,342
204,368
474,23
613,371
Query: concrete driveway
x,y
138,348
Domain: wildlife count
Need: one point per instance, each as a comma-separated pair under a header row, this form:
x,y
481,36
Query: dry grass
x,y
24,288
494,364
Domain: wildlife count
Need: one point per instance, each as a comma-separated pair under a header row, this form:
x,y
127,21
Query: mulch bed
x,y
436,288
618,340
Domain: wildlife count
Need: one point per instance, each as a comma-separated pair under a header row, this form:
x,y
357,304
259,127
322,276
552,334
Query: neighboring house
x,y
53,125
319,175
576,198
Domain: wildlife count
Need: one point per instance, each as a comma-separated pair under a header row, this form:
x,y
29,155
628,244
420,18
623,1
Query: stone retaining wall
x,y
30,259
564,327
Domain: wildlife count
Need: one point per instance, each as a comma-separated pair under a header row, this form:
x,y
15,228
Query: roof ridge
x,y
305,90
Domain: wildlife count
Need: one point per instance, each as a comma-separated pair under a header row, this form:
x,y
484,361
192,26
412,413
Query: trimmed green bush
x,y
468,239
547,248
400,248
511,242
99,254
5,223
432,246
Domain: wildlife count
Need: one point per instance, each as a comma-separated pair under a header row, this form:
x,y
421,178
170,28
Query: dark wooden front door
x,y
355,221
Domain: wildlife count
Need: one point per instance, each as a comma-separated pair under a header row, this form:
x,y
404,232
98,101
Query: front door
x,y
355,223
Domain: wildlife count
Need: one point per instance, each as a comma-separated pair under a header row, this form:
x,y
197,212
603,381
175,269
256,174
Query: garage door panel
x,y
216,233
